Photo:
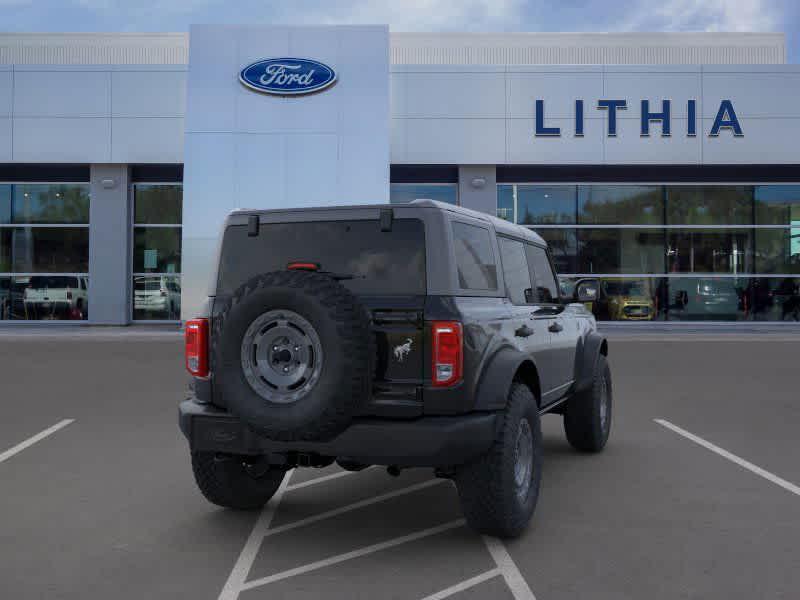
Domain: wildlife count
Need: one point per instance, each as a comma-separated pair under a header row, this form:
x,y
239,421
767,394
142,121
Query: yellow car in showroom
x,y
624,299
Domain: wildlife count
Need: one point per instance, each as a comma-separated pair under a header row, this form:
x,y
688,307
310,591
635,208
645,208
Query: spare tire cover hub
x,y
281,356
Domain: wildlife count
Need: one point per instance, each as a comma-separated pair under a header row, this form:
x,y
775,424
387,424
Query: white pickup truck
x,y
56,296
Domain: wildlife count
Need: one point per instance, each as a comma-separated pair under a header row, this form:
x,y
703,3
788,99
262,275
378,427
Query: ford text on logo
x,y
287,76
725,120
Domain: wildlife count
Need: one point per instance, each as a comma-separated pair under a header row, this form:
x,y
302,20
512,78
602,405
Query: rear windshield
x,y
39,282
380,262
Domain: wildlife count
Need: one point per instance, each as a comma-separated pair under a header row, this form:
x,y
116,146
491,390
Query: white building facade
x,y
666,165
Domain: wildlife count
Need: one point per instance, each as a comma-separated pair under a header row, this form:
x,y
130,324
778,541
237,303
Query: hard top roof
x,y
500,225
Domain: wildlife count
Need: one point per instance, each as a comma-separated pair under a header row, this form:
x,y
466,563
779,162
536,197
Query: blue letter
x,y
663,116
612,106
731,122
691,118
541,130
578,118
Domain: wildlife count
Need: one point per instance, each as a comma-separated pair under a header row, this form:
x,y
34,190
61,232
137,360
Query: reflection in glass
x,y
708,299
157,249
778,250
620,251
400,193
505,202
777,205
775,299
44,249
37,203
156,297
158,204
44,297
710,251
563,244
709,205
617,204
539,204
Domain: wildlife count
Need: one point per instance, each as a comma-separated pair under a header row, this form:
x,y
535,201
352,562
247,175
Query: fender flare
x,y
495,382
593,346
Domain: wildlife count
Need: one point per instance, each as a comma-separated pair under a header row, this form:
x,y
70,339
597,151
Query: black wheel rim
x,y
281,356
523,459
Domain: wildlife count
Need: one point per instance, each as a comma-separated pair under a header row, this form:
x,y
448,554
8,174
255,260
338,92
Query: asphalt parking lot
x,y
695,497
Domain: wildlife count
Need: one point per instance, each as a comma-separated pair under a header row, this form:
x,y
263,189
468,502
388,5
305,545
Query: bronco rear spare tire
x,y
292,355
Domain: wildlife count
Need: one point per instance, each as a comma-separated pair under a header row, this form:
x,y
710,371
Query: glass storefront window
x,y
563,245
400,193
538,204
158,204
44,251
505,202
615,204
710,251
156,282
778,250
156,297
777,205
709,205
620,251
157,250
45,204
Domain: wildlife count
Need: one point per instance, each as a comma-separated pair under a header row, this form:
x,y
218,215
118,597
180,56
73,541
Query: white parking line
x,y
508,569
333,560
732,457
322,479
248,554
33,439
356,505
464,585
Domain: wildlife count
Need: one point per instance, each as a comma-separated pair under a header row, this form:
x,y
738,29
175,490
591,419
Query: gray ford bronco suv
x,y
416,335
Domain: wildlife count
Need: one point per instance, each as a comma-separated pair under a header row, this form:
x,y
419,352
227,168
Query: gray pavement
x,y
105,507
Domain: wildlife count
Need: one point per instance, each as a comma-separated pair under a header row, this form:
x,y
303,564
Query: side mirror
x,y
586,290
529,295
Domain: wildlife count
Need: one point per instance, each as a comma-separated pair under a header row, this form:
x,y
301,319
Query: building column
x,y
477,188
109,245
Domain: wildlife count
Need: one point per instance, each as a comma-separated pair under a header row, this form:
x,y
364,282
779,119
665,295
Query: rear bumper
x,y
427,441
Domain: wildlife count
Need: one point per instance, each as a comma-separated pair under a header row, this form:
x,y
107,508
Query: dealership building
x,y
666,165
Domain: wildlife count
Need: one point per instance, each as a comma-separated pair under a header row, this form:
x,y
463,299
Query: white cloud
x,y
705,15
413,15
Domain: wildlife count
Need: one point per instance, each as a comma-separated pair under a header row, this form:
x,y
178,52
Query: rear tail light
x,y
196,348
447,342
69,294
303,266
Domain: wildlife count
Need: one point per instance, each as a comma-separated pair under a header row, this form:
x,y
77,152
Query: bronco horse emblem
x,y
401,351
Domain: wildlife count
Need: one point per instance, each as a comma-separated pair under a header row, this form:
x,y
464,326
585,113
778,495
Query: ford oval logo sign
x,y
287,76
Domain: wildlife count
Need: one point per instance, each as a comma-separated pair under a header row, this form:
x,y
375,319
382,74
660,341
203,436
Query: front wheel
x,y
231,482
587,416
498,492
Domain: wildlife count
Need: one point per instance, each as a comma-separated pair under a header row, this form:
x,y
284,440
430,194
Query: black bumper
x,y
428,441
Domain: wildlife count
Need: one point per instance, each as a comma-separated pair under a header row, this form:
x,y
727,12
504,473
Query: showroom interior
x,y
92,216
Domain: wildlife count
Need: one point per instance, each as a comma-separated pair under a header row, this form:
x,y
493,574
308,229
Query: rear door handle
x,y
523,331
555,327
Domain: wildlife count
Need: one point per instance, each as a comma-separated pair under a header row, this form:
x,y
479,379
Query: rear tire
x,y
587,416
225,481
498,492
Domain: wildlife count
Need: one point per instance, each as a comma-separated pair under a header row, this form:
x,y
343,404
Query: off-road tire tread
x,y
356,341
582,413
488,500
227,484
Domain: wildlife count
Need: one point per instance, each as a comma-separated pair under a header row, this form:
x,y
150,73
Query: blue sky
x,y
414,15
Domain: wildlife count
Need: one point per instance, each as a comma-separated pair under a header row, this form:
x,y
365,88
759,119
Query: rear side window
x,y
515,270
474,257
377,262
545,286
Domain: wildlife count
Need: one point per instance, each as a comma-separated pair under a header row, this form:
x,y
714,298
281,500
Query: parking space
x,y
106,507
